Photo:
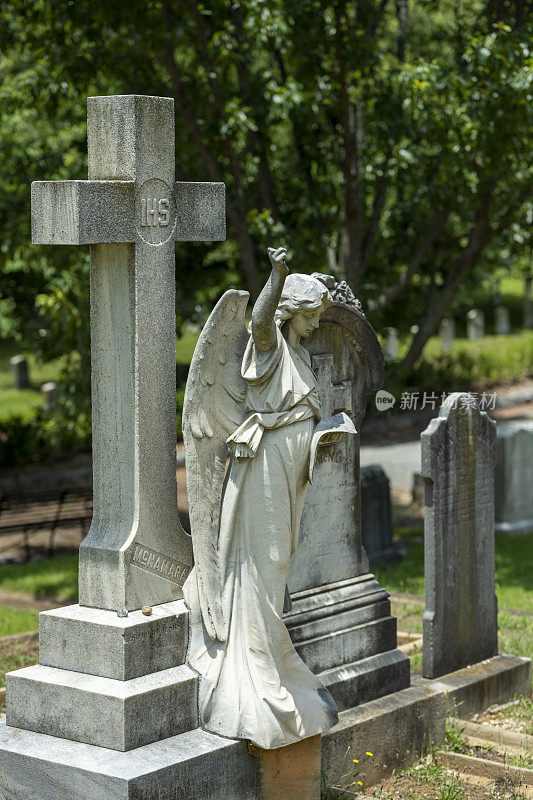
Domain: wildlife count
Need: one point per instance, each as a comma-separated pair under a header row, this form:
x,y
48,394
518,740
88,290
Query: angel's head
x,y
303,301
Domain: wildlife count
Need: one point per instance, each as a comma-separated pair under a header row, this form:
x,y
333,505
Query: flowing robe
x,y
254,685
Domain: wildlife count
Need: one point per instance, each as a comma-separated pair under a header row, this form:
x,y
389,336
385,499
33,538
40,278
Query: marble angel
x,y
254,391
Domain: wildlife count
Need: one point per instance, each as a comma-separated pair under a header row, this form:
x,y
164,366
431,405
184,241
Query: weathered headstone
x,y
514,477
376,513
502,324
20,372
110,683
475,324
50,395
340,620
447,334
391,344
528,302
460,620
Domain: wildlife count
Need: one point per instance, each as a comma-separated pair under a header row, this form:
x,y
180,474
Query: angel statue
x,y
255,392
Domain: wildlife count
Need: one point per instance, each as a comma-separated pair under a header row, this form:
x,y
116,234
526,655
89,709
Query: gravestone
x,y
112,677
514,477
376,514
527,320
391,344
340,620
502,324
475,324
460,620
20,372
50,395
447,334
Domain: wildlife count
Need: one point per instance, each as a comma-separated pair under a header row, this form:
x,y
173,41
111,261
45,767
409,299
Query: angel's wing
x,y
213,408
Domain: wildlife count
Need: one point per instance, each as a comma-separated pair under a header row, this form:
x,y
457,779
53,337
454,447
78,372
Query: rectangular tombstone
x,y
460,620
514,477
502,325
475,324
376,512
340,621
447,334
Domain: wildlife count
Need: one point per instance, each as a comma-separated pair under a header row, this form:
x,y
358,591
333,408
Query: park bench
x,y
32,511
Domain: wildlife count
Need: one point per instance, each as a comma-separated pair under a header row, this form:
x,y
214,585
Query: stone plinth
x,y
196,764
119,715
292,771
345,633
98,642
114,682
514,477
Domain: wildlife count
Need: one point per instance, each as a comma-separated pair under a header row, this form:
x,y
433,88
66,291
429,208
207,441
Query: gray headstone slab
x,y
131,211
348,362
514,477
458,455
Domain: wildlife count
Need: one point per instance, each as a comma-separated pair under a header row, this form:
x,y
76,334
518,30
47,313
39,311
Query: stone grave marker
x,y
514,477
528,303
475,324
376,513
340,619
502,324
130,212
21,378
447,334
391,344
50,395
112,677
460,620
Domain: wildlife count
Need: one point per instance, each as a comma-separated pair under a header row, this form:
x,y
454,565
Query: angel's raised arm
x,y
263,326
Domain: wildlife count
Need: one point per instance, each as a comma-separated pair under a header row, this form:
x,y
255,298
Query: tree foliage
x,y
385,141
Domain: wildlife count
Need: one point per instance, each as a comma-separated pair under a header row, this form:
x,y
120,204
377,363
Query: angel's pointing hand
x,y
277,259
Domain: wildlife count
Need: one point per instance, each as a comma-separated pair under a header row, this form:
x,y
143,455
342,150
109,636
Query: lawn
x,y
17,620
24,403
514,589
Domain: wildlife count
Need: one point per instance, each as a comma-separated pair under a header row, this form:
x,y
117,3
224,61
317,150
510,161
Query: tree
x,y
386,142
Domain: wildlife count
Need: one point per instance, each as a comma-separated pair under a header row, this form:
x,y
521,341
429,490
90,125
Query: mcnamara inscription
x,y
155,562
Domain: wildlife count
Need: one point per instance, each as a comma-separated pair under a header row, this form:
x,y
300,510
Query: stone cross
x,y
458,457
333,397
130,212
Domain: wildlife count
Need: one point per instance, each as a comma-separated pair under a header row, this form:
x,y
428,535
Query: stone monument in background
x,y
340,621
458,455
514,477
447,334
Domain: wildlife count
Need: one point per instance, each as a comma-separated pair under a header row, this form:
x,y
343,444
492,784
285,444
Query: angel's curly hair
x,y
301,293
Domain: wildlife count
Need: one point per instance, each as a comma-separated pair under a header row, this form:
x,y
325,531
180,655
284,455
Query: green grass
x,y
12,661
23,403
55,577
514,589
17,620
185,347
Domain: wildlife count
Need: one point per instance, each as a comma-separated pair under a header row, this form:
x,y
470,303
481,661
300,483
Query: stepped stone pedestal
x,y
110,713
346,635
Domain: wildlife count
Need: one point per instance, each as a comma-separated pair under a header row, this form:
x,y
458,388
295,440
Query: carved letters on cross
x,y
333,397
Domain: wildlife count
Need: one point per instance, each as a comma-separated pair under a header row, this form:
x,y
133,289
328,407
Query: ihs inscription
x,y
155,211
